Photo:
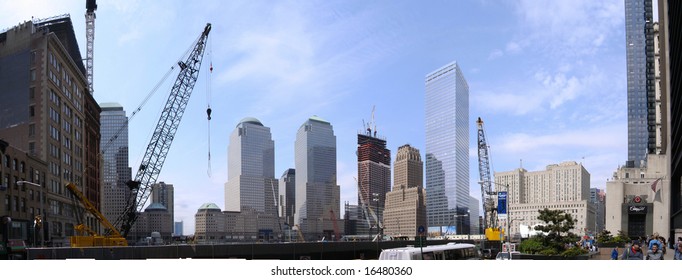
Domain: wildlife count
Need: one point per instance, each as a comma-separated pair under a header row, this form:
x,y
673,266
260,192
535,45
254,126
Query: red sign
x,y
637,199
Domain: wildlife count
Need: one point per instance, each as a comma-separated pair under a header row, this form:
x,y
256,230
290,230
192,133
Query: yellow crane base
x,y
493,234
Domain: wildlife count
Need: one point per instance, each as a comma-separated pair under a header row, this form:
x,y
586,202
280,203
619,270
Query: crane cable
x,y
208,101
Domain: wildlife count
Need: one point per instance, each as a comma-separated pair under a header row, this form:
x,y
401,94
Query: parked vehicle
x,y
515,255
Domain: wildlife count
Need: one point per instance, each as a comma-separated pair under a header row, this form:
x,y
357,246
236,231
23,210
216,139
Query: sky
x,y
547,78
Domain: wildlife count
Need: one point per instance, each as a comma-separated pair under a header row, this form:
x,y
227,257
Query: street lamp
x,y
38,219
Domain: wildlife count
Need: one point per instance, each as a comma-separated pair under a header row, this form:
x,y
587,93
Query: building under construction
x,y
374,175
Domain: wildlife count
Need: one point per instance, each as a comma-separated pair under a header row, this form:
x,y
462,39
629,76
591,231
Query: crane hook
x,y
208,112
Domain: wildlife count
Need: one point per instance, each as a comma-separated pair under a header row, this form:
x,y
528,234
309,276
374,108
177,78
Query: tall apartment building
x,y
640,75
287,194
406,203
564,186
115,156
447,147
651,194
317,194
49,114
251,187
374,172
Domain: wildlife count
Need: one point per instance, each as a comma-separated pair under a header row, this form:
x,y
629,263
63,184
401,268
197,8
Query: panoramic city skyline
x,y
547,78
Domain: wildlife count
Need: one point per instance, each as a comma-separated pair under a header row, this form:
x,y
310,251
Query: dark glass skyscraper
x,y
447,147
639,39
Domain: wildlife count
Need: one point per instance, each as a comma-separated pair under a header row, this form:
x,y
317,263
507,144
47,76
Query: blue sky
x,y
547,77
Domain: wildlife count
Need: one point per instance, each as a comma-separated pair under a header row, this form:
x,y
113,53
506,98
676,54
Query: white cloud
x,y
513,47
495,54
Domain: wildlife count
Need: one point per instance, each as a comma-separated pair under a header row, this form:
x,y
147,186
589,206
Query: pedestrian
x,y
654,240
614,253
654,253
678,252
634,252
663,246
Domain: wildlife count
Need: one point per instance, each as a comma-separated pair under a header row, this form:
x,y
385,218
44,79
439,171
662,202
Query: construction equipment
x,y
492,231
163,135
274,196
113,239
366,208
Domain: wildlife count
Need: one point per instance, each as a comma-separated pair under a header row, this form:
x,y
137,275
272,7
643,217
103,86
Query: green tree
x,y
533,245
556,227
604,237
621,238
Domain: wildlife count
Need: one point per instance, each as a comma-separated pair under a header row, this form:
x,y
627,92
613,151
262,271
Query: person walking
x,y
614,253
654,253
633,253
678,252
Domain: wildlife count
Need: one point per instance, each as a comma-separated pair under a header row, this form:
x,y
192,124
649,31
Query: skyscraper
x,y
116,172
251,181
639,40
317,194
374,172
162,193
406,203
447,147
287,191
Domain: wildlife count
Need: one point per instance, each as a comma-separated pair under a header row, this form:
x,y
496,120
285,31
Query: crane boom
x,y
489,212
115,237
163,135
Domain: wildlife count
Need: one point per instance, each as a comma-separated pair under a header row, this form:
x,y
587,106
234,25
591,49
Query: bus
x,y
450,251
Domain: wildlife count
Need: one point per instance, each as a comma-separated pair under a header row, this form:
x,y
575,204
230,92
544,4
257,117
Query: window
x,y
33,74
32,128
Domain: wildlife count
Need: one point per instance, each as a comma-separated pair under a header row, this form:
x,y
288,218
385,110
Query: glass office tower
x,y
447,149
251,186
639,39
116,172
317,194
